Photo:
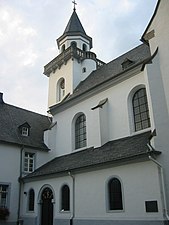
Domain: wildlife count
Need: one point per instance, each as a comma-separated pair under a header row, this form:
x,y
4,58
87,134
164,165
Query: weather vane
x,y
74,2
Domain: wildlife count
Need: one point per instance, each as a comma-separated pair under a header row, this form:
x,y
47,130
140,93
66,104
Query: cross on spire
x,y
74,2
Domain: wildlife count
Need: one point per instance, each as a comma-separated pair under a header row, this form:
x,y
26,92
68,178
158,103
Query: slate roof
x,y
111,71
114,68
74,25
122,149
12,117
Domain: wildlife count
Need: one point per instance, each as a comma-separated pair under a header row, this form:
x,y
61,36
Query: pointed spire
x,y
74,25
74,28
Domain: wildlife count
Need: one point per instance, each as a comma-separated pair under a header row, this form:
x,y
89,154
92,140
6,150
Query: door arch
x,y
47,206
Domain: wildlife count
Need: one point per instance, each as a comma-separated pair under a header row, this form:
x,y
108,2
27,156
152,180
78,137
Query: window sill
x,y
116,211
65,211
140,131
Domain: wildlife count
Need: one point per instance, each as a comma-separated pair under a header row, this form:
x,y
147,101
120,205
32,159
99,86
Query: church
x,y
101,156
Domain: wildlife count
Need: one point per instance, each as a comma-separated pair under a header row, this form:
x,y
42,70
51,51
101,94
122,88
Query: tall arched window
x,y
31,199
140,110
80,131
115,194
65,198
61,89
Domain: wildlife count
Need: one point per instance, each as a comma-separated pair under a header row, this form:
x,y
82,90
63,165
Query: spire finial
x,y
74,2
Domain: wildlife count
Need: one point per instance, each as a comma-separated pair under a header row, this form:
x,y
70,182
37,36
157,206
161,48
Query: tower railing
x,y
71,52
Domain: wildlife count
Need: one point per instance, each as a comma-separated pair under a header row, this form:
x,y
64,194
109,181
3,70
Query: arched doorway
x,y
47,207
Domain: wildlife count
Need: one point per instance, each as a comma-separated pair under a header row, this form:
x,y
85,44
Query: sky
x,y
28,33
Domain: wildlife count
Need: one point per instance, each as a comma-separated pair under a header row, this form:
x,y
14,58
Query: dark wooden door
x,y
47,207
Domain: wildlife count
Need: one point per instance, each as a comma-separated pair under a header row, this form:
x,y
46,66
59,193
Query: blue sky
x,y
28,33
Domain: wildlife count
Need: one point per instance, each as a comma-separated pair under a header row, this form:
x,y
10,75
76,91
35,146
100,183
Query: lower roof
x,y
127,148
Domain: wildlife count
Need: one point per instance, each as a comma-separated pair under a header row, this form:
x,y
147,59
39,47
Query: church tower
x,y
74,62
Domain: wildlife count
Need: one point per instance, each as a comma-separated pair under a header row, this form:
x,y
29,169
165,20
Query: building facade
x,y
108,137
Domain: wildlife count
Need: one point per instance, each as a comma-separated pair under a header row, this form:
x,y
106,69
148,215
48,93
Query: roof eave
x,y
121,161
97,88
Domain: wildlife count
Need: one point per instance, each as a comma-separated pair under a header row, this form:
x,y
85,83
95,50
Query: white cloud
x,y
16,36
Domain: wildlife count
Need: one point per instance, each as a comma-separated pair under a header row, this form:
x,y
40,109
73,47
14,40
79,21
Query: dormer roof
x,y
74,28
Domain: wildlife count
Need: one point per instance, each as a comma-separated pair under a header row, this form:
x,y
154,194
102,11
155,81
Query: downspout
x,y
20,186
162,186
73,198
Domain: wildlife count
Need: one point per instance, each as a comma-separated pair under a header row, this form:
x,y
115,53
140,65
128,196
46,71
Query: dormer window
x,y
25,131
126,63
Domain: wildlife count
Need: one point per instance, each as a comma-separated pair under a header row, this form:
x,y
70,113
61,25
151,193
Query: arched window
x,y
74,44
84,47
84,70
31,199
61,89
80,131
63,48
140,110
65,198
115,194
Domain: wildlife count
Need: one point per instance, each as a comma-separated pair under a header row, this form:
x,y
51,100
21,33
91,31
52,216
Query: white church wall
x,y
79,75
158,81
91,197
161,40
91,192
64,72
118,116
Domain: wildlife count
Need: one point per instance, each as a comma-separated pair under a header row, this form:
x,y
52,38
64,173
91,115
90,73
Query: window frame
x,y
137,105
80,131
31,200
27,160
108,195
65,199
60,92
8,194
25,131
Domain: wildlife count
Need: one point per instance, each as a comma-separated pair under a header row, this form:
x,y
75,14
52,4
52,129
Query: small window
x,y
4,194
140,110
63,48
31,199
115,194
29,159
74,44
80,131
61,89
65,198
84,70
25,131
84,47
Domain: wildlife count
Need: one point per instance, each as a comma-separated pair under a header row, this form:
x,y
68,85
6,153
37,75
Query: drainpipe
x,y
73,198
19,222
162,186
